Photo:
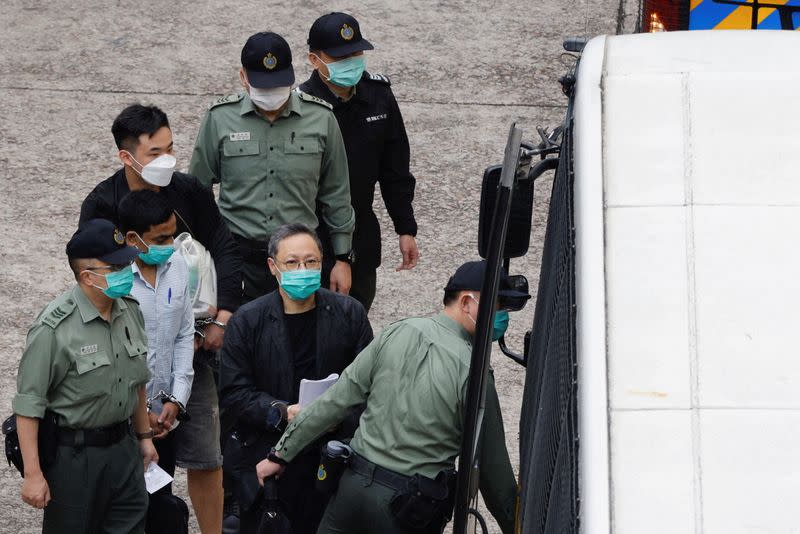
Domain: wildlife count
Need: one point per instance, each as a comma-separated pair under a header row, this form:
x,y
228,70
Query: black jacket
x,y
199,215
256,369
377,151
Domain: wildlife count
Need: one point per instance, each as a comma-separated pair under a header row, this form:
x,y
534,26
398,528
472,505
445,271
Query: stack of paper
x,y
311,389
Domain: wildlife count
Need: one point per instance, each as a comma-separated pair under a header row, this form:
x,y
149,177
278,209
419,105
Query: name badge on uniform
x,y
88,349
376,117
240,136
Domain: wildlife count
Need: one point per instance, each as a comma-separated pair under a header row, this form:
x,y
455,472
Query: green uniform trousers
x,y
97,490
361,506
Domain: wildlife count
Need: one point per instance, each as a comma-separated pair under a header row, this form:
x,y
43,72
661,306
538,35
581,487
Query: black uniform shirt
x,y
377,151
195,204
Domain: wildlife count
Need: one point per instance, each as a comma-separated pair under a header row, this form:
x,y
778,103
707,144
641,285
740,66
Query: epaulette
x,y
58,313
311,98
227,99
380,78
131,298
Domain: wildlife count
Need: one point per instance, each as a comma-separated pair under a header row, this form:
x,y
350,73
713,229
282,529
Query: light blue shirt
x,y
169,323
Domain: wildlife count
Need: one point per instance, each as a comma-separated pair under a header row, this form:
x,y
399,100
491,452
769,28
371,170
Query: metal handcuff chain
x,y
165,397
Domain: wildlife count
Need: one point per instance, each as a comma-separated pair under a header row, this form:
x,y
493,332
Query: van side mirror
x,y
519,221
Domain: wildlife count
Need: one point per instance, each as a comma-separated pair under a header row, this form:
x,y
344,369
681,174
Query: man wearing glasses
x,y
298,331
86,362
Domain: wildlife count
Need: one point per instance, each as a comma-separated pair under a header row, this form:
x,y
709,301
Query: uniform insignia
x,y
347,32
321,473
311,98
58,313
239,136
88,349
119,239
227,99
379,78
270,61
376,117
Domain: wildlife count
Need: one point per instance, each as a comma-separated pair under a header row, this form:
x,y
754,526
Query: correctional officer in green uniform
x,y
413,378
277,155
86,362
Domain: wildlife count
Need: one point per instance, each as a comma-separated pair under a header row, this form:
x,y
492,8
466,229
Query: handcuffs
x,y
200,324
165,397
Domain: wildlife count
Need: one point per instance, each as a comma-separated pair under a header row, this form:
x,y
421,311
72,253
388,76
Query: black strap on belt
x,y
362,466
253,251
94,437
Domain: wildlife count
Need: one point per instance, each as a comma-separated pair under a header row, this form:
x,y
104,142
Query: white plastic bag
x,y
202,275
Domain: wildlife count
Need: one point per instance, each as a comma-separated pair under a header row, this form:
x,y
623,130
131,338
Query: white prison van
x,y
663,375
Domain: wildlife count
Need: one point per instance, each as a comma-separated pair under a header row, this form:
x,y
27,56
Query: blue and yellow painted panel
x,y
738,14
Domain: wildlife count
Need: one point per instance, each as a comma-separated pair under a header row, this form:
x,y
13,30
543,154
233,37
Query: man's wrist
x,y
274,457
346,257
148,434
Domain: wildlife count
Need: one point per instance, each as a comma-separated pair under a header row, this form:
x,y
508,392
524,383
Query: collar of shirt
x,y
88,310
160,270
324,92
453,326
247,106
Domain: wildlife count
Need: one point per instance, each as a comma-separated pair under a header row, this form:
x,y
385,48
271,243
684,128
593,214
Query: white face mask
x,y
159,171
270,99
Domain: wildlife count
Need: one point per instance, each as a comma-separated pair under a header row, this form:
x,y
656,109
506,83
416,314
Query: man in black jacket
x,y
299,331
144,140
375,140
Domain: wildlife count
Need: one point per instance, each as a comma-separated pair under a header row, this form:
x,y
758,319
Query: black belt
x,y
362,466
94,437
253,251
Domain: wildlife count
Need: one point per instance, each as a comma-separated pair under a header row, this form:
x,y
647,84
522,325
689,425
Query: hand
x,y
266,469
214,334
168,415
158,429
341,278
410,252
292,411
35,490
148,451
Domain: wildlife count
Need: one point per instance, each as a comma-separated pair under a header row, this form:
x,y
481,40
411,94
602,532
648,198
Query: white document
x,y
155,478
311,389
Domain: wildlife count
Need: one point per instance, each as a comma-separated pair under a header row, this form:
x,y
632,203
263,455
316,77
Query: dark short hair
x,y
134,121
450,296
289,230
139,210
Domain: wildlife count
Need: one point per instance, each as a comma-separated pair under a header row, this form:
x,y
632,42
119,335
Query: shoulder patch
x,y
227,99
311,98
380,78
58,313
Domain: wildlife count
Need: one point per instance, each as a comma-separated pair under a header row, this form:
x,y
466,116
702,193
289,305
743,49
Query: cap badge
x,y
119,239
347,32
270,61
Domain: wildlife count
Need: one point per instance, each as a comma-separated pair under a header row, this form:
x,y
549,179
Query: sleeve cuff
x,y
406,227
342,243
29,405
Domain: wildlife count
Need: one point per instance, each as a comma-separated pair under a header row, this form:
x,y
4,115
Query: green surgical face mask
x,y
156,254
119,282
300,284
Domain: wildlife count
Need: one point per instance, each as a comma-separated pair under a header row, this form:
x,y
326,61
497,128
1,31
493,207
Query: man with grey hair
x,y
298,331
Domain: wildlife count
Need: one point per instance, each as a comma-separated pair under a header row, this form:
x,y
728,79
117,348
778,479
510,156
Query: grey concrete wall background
x,y
462,71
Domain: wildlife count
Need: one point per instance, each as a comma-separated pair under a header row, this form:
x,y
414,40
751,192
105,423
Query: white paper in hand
x,y
155,478
311,389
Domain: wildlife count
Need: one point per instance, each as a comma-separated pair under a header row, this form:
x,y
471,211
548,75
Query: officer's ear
x,y
243,79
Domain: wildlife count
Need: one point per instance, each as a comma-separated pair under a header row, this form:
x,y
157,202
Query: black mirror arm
x,y
547,164
519,358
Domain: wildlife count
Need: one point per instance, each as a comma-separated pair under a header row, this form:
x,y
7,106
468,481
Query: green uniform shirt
x,y
81,367
414,379
275,173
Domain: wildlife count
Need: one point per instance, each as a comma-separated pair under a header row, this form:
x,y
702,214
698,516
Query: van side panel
x,y
701,177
